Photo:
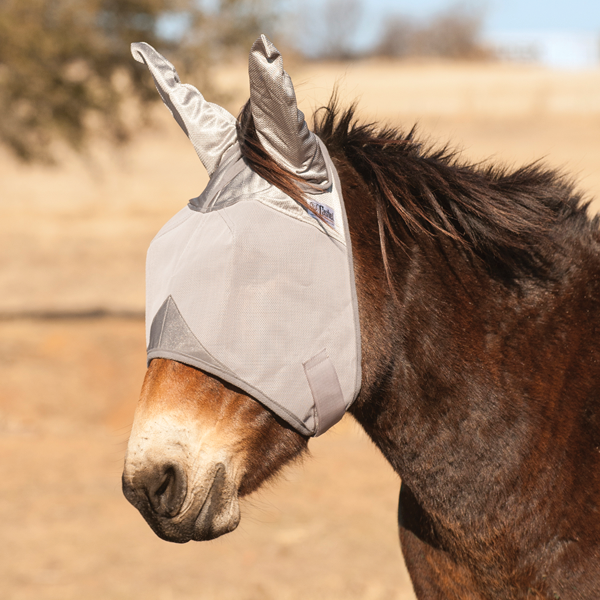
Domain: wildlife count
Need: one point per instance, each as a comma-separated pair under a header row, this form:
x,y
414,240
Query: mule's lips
x,y
207,517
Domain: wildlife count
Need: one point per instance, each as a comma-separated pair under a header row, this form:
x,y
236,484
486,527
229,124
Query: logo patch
x,y
325,212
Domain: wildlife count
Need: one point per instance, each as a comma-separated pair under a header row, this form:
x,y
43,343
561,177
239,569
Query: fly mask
x,y
244,283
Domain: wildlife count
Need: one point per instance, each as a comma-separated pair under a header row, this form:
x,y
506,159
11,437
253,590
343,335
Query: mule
x,y
478,290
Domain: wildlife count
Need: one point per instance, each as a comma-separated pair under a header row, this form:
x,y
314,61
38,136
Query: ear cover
x,y
279,123
210,128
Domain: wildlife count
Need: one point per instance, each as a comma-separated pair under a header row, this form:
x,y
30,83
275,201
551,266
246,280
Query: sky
x,y
568,29
502,16
567,32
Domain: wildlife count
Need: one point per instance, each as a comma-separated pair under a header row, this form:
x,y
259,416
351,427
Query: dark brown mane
x,y
506,219
262,163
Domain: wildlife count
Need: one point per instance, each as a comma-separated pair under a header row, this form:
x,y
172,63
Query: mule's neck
x,y
462,388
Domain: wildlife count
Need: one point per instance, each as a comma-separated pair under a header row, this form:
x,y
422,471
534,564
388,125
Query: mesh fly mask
x,y
244,283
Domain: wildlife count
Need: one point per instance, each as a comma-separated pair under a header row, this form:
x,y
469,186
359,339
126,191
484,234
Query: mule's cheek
x,y
181,479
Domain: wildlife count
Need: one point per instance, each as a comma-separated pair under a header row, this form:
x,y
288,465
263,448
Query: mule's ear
x,y
210,128
279,123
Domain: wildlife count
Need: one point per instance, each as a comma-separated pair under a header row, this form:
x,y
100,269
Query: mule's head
x,y
197,445
246,284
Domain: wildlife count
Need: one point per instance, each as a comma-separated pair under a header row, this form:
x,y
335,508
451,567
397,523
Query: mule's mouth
x,y
206,512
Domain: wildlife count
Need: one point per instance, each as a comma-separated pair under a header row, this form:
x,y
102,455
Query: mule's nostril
x,y
163,487
166,490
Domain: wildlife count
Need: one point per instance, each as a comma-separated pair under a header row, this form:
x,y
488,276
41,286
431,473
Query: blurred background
x,y
91,165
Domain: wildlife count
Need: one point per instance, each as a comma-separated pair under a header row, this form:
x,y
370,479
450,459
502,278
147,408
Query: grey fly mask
x,y
244,283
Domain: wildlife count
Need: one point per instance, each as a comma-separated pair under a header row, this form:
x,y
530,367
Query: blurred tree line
x,y
66,68
64,61
452,33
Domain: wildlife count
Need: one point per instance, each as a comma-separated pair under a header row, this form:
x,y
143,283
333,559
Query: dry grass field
x,y
73,240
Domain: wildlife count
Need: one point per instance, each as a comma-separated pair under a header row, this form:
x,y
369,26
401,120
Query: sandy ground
x,y
73,239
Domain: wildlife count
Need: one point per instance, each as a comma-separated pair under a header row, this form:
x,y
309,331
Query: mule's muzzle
x,y
177,514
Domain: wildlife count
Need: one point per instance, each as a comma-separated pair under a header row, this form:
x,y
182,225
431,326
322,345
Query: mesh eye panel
x,y
257,291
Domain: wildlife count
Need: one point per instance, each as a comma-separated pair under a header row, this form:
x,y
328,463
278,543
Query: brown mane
x,y
262,163
510,220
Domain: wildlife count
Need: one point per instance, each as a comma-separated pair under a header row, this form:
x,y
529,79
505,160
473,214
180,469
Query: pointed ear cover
x,y
210,128
280,126
244,282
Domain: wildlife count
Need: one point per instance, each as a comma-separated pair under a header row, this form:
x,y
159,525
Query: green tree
x,y
64,61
